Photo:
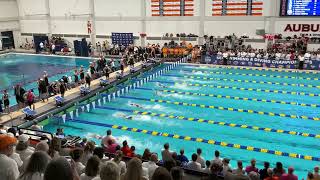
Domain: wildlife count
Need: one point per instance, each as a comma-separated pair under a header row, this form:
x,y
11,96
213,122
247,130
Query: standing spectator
x,y
301,61
105,139
23,148
151,165
194,165
6,102
166,153
239,169
278,170
54,148
8,167
62,87
88,80
81,73
290,175
217,158
264,172
36,166
19,92
87,152
252,167
182,158
200,158
92,169
134,170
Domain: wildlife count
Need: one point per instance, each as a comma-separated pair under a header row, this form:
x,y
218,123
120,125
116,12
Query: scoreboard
x,y
300,8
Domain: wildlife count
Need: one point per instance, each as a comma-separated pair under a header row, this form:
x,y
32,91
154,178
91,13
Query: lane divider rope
x,y
258,69
245,81
251,74
241,89
230,97
197,139
224,108
213,122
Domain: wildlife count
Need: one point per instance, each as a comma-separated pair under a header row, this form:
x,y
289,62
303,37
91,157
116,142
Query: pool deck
x,y
17,117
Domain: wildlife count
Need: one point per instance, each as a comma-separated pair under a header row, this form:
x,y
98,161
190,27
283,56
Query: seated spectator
x,y
290,175
217,158
76,155
264,172
161,174
194,165
118,160
8,167
278,170
200,158
134,170
54,148
99,152
254,175
36,166
252,167
146,154
270,175
111,147
216,170
182,158
125,148
151,165
177,173
166,153
104,142
23,148
109,171
174,158
60,168
92,169
239,169
207,169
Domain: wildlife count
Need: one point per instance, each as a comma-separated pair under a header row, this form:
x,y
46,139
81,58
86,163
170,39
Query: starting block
x,y
104,82
29,113
59,100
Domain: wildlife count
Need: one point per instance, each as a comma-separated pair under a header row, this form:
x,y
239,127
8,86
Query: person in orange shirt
x,y
181,51
171,50
165,52
176,51
189,46
270,175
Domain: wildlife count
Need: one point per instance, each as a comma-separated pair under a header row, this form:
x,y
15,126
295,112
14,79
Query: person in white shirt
x,y
225,56
194,165
23,148
207,168
118,160
243,54
109,171
239,170
92,169
301,61
226,167
166,153
200,159
36,166
217,158
105,139
76,155
307,56
41,46
41,146
8,167
278,55
151,165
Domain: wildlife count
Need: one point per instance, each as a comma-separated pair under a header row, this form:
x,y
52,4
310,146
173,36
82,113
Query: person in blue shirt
x,y
182,158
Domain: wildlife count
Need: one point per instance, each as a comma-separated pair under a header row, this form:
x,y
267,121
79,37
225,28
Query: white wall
x,y
29,8
69,8
156,28
107,27
8,9
118,8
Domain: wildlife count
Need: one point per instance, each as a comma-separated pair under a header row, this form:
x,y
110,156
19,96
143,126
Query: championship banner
x,y
237,7
260,62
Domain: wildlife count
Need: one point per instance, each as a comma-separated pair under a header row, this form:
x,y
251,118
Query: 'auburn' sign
x,y
302,28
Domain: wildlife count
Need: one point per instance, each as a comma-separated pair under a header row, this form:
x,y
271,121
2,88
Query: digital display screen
x,y
300,8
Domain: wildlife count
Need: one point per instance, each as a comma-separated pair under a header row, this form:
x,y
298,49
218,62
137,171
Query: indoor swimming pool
x,y
271,115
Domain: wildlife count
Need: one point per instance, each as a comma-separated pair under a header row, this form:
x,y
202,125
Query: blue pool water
x,y
26,69
300,107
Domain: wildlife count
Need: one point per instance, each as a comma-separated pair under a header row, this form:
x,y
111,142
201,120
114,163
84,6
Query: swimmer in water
x,y
122,115
136,105
161,85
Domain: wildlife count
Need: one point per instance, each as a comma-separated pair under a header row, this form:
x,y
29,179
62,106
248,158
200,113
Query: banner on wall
x,y
122,38
260,62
